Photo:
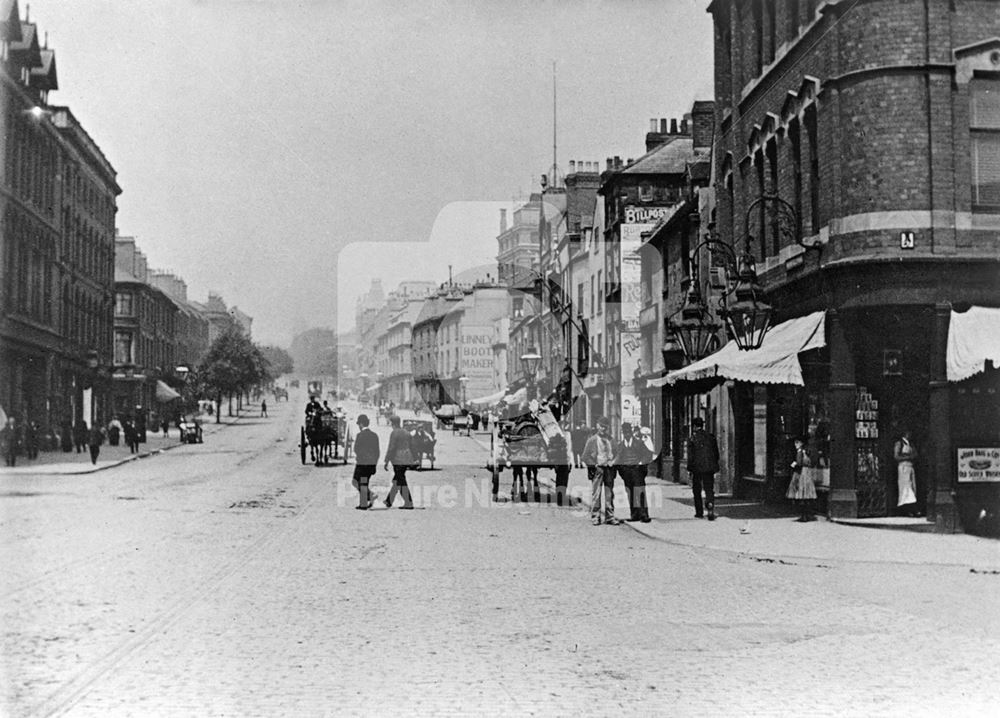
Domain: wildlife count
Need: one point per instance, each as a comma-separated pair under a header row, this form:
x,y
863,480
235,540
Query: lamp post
x,y
463,382
530,361
381,390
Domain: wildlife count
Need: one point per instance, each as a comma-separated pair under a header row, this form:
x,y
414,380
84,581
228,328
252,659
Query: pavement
x,y
72,462
770,532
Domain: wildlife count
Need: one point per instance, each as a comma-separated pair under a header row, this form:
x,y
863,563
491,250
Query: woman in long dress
x,y
904,452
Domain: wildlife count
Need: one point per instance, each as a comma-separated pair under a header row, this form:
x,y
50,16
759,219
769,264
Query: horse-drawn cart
x,y
526,444
327,437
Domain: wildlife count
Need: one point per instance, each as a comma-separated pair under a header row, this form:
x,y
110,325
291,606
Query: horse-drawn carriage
x,y
280,393
327,437
422,440
526,444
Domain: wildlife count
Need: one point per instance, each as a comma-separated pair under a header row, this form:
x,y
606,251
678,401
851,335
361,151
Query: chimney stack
x,y
572,166
503,221
702,123
652,125
610,163
673,126
663,126
684,126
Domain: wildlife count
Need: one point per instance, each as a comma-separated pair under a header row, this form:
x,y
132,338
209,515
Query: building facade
x,y
57,216
876,124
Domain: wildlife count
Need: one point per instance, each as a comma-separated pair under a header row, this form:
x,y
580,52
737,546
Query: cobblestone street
x,y
228,579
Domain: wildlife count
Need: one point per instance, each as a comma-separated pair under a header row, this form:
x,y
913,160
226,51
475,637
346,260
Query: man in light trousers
x,y
598,457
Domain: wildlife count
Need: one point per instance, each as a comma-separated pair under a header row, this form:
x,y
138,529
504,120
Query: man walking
x,y
631,459
263,409
598,457
366,452
703,463
94,440
9,441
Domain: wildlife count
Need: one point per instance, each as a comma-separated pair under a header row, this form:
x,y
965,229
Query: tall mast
x,y
555,166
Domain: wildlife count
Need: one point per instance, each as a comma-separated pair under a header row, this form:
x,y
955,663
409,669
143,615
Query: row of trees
x,y
234,366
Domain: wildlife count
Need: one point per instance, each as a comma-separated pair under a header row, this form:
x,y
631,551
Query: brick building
x,y
57,216
876,122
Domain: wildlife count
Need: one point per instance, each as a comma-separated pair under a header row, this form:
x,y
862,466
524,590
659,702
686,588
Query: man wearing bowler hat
x,y
703,463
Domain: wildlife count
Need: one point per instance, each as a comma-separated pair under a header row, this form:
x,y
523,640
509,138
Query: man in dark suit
x,y
703,463
366,453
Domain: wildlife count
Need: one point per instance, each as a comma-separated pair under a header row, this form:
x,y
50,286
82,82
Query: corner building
x,y
878,122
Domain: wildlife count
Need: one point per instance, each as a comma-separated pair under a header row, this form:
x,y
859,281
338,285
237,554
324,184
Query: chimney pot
x,y
684,127
673,126
652,125
663,126
572,166
610,163
618,161
503,221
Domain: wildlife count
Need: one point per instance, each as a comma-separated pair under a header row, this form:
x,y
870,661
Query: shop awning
x,y
164,393
776,362
488,400
973,337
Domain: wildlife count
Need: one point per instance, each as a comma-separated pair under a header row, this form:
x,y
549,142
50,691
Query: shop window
x,y
984,133
123,348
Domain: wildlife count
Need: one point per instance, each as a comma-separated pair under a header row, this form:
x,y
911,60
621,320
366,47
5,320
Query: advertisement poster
x,y
978,464
631,306
476,360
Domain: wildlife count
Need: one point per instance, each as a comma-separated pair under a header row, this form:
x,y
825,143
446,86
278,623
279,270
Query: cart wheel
x,y
302,445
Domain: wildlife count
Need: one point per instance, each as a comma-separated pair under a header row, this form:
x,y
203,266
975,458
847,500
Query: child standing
x,y
802,488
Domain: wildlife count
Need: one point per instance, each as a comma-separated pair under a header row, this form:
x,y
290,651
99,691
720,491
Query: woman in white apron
x,y
905,452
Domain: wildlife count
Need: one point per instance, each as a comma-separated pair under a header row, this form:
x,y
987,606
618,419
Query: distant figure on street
x,y
598,457
313,407
66,436
80,436
560,456
366,453
703,463
94,441
631,458
904,452
579,437
31,439
114,431
9,442
802,488
131,436
400,455
263,408
165,425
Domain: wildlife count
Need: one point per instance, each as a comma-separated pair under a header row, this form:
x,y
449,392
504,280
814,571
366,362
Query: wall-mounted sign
x,y
907,240
645,214
979,464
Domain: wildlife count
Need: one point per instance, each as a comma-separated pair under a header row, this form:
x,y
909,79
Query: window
x,y
984,133
591,296
791,18
123,348
772,165
761,226
645,193
795,138
579,298
600,293
123,304
813,137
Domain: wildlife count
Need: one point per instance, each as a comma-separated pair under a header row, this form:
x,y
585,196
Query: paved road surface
x,y
227,579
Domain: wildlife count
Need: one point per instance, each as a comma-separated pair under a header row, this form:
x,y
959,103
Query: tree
x,y
232,367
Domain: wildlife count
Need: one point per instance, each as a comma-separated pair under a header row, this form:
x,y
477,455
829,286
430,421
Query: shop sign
x,y
978,464
649,215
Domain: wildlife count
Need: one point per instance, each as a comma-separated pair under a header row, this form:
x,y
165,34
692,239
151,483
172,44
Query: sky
x,y
285,153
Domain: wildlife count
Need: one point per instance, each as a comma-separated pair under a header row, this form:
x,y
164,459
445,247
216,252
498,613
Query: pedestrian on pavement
x,y
366,453
598,457
904,452
94,440
165,425
10,442
31,439
703,463
802,488
631,458
131,436
561,461
263,409
114,431
400,454
80,436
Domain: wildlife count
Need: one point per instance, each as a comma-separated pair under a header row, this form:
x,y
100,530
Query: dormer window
x,y
645,193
